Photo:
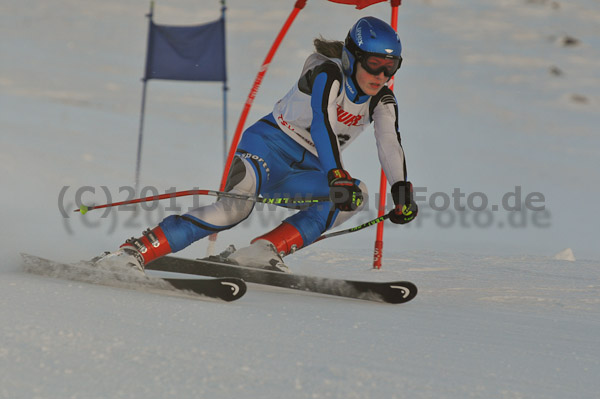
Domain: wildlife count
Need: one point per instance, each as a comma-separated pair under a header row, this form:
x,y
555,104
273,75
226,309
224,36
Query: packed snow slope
x,y
498,100
484,327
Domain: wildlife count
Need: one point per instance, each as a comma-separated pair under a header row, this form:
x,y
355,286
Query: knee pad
x,y
237,173
227,212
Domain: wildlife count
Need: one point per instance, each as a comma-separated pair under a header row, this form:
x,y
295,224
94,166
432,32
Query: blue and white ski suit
x,y
289,152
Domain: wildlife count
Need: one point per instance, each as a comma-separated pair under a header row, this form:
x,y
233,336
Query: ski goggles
x,y
377,63
374,63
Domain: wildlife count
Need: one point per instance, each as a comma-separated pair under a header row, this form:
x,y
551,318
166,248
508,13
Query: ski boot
x,y
122,258
135,253
267,251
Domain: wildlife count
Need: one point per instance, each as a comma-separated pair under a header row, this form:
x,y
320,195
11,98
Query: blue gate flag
x,y
187,52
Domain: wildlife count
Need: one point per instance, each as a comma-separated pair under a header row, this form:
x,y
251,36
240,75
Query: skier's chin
x,y
372,89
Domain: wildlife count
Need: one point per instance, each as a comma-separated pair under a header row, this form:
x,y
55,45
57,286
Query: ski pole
x,y
276,201
355,228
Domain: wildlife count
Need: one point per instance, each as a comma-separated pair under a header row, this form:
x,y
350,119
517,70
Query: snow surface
x,y
565,254
492,95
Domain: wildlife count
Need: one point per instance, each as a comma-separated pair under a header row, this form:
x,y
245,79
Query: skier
x,y
296,151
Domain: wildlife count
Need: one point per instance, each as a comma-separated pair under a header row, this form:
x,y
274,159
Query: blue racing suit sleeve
x,y
321,130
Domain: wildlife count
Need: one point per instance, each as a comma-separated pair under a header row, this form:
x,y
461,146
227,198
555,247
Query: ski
x,y
390,292
224,288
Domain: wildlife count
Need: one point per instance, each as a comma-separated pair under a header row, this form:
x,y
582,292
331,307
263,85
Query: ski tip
x,y
401,292
237,286
227,289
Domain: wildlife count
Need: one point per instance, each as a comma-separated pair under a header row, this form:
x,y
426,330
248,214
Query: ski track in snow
x,y
108,274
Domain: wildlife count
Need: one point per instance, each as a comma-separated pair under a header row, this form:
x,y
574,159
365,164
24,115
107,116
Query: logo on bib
x,y
346,117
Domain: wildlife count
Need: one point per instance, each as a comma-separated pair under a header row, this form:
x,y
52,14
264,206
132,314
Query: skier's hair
x,y
329,48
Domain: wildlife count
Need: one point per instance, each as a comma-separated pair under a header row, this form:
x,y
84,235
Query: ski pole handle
x,y
355,228
276,201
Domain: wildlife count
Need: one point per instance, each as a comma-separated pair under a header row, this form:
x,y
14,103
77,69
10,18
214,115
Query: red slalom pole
x,y
378,250
257,82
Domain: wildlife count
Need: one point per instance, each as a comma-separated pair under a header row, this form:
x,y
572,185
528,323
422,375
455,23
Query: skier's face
x,y
370,84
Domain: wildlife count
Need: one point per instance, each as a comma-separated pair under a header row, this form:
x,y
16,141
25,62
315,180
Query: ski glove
x,y
406,208
343,190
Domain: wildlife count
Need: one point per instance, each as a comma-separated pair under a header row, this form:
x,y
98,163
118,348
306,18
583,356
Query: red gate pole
x,y
257,82
378,250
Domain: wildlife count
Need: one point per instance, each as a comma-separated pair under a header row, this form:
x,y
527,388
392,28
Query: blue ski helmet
x,y
374,44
